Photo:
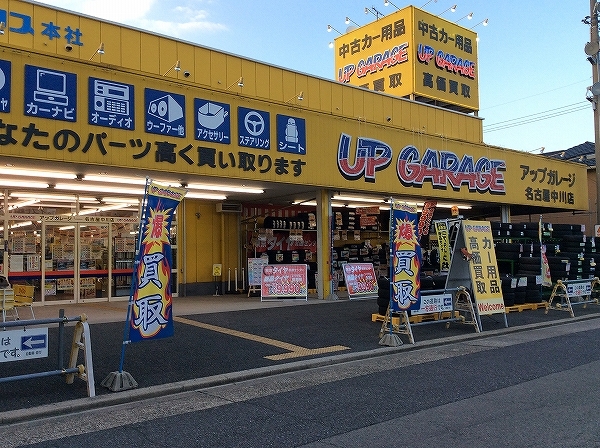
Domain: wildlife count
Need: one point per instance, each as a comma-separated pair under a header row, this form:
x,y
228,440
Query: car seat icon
x,y
291,131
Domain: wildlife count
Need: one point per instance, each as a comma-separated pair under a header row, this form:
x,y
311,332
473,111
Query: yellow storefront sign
x,y
485,278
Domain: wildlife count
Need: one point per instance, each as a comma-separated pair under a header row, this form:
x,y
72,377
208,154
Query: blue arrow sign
x,y
33,341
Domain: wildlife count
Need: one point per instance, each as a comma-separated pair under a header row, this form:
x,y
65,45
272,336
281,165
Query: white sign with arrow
x,y
18,345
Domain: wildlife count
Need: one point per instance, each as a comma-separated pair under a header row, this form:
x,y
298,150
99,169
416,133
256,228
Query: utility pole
x,y
594,44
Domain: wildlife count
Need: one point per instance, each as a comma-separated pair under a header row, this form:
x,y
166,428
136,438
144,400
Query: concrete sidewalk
x,y
116,311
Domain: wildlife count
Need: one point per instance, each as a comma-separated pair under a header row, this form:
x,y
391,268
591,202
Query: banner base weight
x,y
118,381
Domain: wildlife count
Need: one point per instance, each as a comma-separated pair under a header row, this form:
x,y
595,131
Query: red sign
x,y
360,279
284,280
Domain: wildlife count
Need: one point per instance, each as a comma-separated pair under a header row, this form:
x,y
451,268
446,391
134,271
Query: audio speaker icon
x,y
165,108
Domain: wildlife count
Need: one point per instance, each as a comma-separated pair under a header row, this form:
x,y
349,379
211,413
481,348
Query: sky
x,y
533,71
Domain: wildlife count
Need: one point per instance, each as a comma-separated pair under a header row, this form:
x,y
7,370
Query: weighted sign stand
x,y
567,290
393,325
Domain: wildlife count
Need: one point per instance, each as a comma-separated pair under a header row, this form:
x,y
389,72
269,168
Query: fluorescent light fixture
x,y
202,195
22,183
52,197
106,209
115,180
460,207
112,200
97,188
357,199
314,204
225,189
7,171
23,204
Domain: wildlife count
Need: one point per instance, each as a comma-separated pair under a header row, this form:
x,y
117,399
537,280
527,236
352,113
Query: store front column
x,y
324,245
505,213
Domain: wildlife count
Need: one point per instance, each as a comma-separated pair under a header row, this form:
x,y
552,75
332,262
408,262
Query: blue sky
x,y
532,66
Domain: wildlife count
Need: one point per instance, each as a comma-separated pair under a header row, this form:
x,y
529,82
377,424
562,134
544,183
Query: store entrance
x,y
76,261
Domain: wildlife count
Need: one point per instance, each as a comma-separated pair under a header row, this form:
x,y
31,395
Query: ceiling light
x,y
225,188
202,195
97,188
357,199
115,179
314,204
106,208
52,197
22,183
113,200
23,204
36,173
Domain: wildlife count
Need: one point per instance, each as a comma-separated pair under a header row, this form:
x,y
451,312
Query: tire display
x,y
571,256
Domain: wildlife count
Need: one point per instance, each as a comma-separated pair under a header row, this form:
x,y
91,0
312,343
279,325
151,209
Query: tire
x,y
509,298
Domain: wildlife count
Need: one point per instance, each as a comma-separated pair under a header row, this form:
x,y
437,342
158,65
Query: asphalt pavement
x,y
220,340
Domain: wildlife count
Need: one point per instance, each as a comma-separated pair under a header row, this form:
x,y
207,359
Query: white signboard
x,y
579,289
434,303
22,344
255,268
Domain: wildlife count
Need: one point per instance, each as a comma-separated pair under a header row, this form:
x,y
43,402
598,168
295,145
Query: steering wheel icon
x,y
254,123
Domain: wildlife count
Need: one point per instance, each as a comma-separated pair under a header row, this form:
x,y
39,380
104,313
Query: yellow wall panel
x,y
234,72
276,82
167,58
131,49
248,71
218,68
262,81
185,54
150,61
111,36
201,72
326,97
312,94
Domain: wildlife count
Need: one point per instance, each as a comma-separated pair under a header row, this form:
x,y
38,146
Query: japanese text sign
x,y
481,256
360,279
152,315
405,258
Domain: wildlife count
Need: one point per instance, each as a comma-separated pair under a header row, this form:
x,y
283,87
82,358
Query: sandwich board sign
x,y
474,266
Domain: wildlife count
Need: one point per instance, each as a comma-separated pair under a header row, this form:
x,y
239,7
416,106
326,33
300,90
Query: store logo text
x,y
442,169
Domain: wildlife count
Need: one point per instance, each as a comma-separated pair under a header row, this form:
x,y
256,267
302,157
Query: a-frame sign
x,y
473,265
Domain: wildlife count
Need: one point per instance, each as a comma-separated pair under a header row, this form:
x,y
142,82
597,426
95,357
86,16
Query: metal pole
x,y
595,78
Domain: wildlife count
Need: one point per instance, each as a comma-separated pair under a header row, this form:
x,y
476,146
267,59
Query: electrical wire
x,y
538,116
538,94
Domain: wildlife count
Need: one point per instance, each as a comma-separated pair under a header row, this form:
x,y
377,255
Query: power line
x,y
539,116
537,94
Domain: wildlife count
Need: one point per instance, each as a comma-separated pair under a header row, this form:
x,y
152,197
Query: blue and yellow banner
x,y
151,315
405,258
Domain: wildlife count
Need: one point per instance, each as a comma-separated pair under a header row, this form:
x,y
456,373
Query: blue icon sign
x,y
254,128
165,113
50,94
212,121
4,86
33,341
110,104
291,134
